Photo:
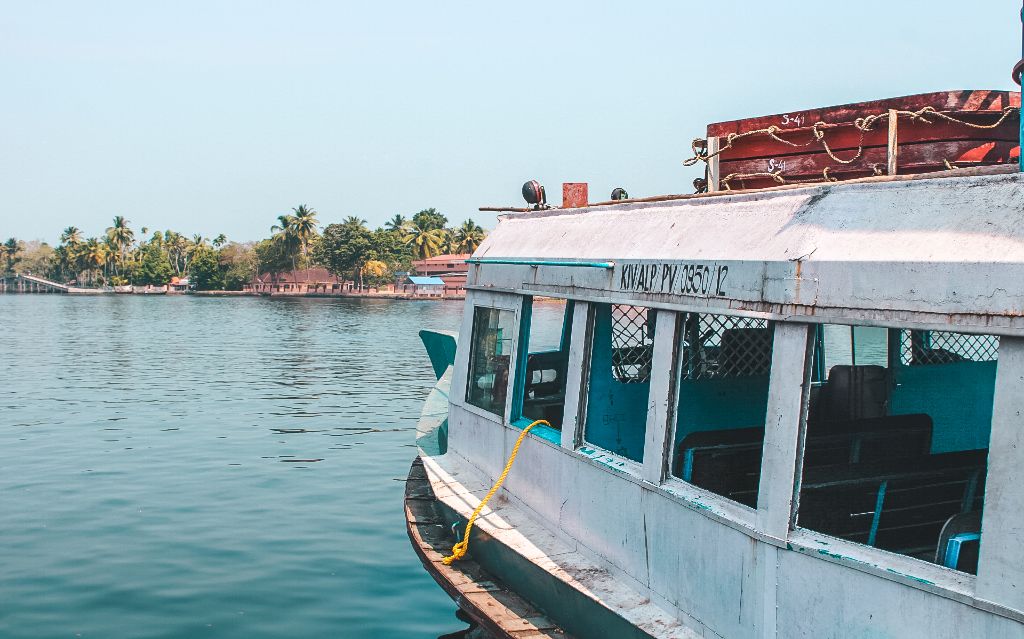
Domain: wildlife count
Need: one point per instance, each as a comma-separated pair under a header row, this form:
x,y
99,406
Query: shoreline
x,y
385,296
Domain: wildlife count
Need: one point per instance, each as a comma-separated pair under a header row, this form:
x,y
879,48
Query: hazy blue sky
x,y
215,117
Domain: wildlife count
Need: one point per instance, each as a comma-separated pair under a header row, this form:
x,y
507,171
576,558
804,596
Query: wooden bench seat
x,y
728,462
899,507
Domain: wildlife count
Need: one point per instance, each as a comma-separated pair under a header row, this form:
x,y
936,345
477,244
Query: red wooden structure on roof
x,y
912,134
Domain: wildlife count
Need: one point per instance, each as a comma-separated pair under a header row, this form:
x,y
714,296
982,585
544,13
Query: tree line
x,y
348,249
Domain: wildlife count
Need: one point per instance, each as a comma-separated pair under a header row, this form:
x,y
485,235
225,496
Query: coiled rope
x,y
460,548
817,131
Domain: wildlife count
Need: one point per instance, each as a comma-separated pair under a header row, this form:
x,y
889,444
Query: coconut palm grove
x,y
143,256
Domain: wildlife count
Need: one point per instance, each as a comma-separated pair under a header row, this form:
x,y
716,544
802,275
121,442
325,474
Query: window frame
x,y
908,571
741,513
905,570
927,575
501,302
581,445
518,380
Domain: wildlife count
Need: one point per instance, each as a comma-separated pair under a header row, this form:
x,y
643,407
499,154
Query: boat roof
x,y
420,280
933,251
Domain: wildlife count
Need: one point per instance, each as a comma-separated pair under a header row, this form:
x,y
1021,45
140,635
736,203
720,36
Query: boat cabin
x,y
792,412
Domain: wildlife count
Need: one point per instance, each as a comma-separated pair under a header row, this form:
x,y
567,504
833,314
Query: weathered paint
x,y
820,252
979,100
576,377
574,195
715,566
584,598
660,402
566,263
1001,564
787,402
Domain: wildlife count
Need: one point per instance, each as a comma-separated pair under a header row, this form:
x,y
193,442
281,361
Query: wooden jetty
x,y
25,283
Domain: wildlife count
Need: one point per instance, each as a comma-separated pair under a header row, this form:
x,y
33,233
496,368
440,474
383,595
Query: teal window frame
x,y
522,356
468,399
597,387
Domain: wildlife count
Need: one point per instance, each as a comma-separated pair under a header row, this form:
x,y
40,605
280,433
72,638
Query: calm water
x,y
152,482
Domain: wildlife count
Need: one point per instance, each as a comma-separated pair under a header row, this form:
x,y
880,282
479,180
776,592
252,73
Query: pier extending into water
x,y
25,283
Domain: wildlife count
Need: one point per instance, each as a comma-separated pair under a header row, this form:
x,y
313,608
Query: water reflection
x,y
178,465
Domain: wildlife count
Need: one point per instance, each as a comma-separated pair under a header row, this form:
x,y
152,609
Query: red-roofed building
x,y
450,268
315,279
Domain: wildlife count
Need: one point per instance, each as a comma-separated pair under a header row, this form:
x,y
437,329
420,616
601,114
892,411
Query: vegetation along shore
x,y
350,250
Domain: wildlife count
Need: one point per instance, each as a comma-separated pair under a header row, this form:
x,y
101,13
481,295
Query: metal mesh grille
x,y
940,347
718,346
632,343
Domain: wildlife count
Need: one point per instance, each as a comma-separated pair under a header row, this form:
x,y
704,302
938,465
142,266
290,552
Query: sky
x,y
216,117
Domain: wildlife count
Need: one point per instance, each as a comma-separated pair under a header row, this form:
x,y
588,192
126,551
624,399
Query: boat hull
x,y
490,605
516,574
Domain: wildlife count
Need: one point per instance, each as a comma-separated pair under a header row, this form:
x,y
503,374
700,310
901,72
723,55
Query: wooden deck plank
x,y
484,599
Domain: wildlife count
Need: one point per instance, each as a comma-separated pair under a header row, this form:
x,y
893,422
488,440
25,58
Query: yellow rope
x,y
459,549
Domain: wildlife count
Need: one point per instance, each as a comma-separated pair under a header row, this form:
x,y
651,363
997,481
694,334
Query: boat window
x,y
923,348
722,401
896,450
490,351
542,394
620,378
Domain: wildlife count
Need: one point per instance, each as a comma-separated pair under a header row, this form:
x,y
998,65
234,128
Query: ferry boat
x,y
794,411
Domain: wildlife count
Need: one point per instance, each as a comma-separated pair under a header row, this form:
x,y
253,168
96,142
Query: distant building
x,y
425,286
450,268
178,285
307,280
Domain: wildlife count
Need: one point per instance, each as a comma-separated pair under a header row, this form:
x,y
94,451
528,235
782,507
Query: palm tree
x,y
120,238
450,244
220,241
354,222
96,255
181,248
198,242
11,249
425,242
71,258
178,250
305,224
397,224
468,237
284,224
284,236
113,251
60,260
304,228
71,235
